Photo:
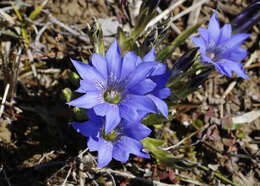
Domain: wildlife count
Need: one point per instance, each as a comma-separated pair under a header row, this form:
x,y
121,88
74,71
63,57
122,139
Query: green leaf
x,y
240,134
37,10
167,51
164,157
141,22
154,119
16,11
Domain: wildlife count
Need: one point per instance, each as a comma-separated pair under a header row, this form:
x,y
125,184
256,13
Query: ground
x,y
38,146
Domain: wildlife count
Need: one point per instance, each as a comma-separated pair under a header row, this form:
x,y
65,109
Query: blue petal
x,y
199,43
136,130
120,152
128,111
213,29
88,100
101,109
129,145
94,144
150,56
87,128
143,87
114,60
86,86
204,35
142,71
142,103
229,66
111,111
161,80
206,58
105,154
235,41
225,33
112,118
162,93
93,117
129,64
104,149
99,62
159,69
87,72
238,54
160,104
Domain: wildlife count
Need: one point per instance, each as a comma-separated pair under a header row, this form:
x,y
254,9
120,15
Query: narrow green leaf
x,y
37,10
16,11
154,119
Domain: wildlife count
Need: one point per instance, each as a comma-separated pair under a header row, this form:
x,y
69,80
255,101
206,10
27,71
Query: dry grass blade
x,y
4,99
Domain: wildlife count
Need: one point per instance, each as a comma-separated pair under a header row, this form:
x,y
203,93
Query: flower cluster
x,y
119,92
221,49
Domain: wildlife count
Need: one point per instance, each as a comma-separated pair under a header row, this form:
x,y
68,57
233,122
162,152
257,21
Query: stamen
x,y
112,96
111,136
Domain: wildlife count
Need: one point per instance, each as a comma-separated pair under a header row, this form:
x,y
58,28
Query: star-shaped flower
x,y
117,87
119,143
221,49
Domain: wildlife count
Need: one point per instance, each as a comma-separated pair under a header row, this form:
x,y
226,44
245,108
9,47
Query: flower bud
x,y
183,63
247,18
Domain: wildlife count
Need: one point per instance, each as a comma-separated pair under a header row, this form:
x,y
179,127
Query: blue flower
x,y
160,77
221,49
118,144
117,87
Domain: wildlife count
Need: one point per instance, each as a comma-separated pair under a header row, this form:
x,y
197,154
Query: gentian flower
x,y
118,144
116,87
218,47
160,77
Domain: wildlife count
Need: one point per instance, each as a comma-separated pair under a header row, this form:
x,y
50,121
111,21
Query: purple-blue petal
x,y
142,103
93,117
159,69
128,111
101,109
160,104
114,60
235,41
199,43
87,128
88,100
225,33
162,93
128,64
213,29
86,86
143,87
112,118
142,71
228,66
133,146
150,56
100,64
238,54
204,35
136,130
88,72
